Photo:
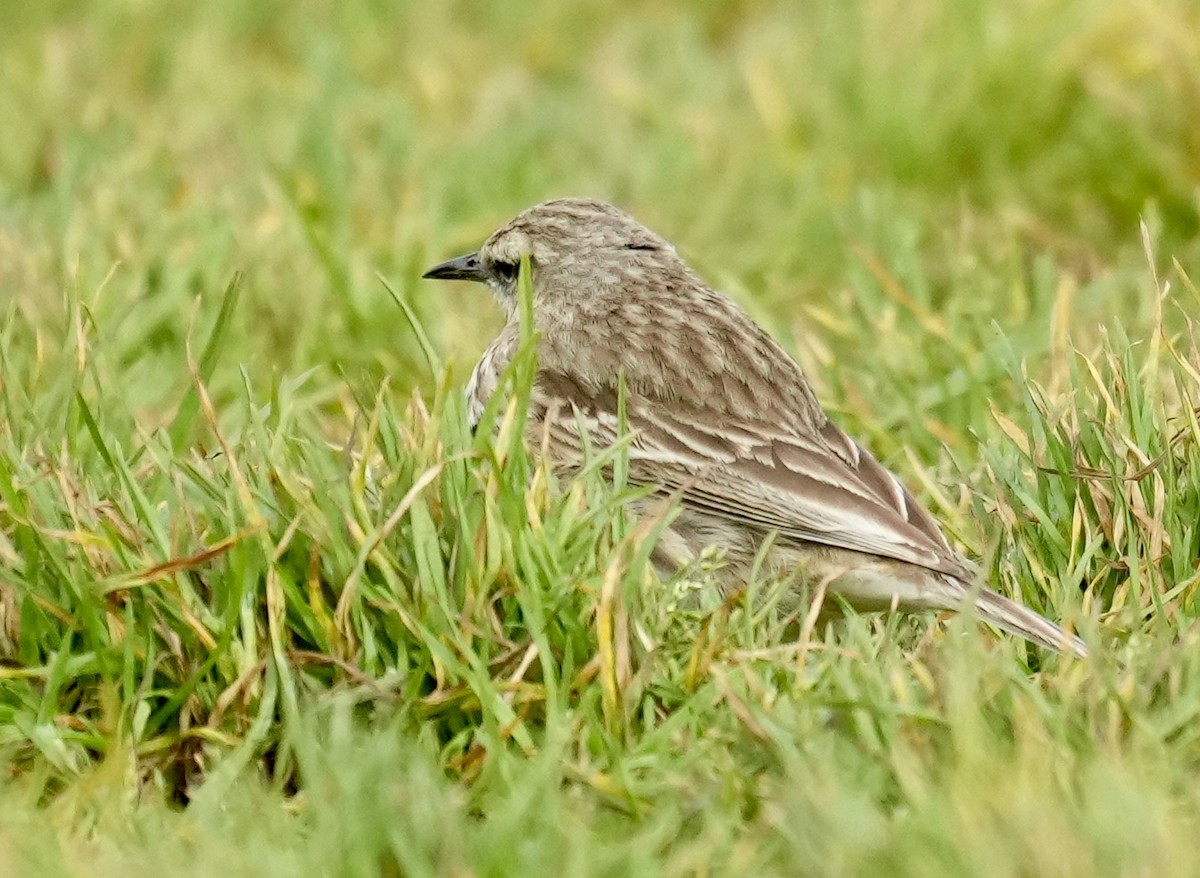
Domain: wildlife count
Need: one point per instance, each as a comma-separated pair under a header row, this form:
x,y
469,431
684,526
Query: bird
x,y
718,418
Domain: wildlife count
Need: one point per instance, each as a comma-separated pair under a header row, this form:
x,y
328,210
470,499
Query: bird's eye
x,y
506,271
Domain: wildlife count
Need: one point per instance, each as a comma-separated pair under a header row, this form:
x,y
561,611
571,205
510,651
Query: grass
x,y
268,607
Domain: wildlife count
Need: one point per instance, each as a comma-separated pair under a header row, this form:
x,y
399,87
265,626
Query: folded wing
x,y
816,486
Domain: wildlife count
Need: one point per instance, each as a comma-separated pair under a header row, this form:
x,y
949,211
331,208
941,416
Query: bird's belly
x,y
865,582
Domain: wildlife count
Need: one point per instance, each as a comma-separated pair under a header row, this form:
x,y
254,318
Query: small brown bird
x,y
721,418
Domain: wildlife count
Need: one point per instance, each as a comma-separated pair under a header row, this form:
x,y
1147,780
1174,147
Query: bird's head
x,y
579,251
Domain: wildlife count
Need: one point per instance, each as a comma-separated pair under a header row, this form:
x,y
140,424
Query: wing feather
x,y
818,487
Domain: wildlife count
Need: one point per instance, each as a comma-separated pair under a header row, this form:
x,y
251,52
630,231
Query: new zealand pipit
x,y
722,418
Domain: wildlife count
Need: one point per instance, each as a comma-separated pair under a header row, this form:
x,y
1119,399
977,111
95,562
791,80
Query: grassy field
x,y
267,607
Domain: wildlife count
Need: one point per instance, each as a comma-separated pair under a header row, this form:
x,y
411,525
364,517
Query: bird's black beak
x,y
469,267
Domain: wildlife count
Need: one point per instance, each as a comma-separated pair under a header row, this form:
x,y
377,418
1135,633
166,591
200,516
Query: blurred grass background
x,y
975,224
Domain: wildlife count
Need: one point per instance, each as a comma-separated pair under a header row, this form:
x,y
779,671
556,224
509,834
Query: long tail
x,y
870,589
1023,622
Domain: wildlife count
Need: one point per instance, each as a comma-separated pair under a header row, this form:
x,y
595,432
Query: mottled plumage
x,y
721,417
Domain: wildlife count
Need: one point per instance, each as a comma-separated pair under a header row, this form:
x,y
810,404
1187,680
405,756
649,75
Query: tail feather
x,y
871,589
1024,622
